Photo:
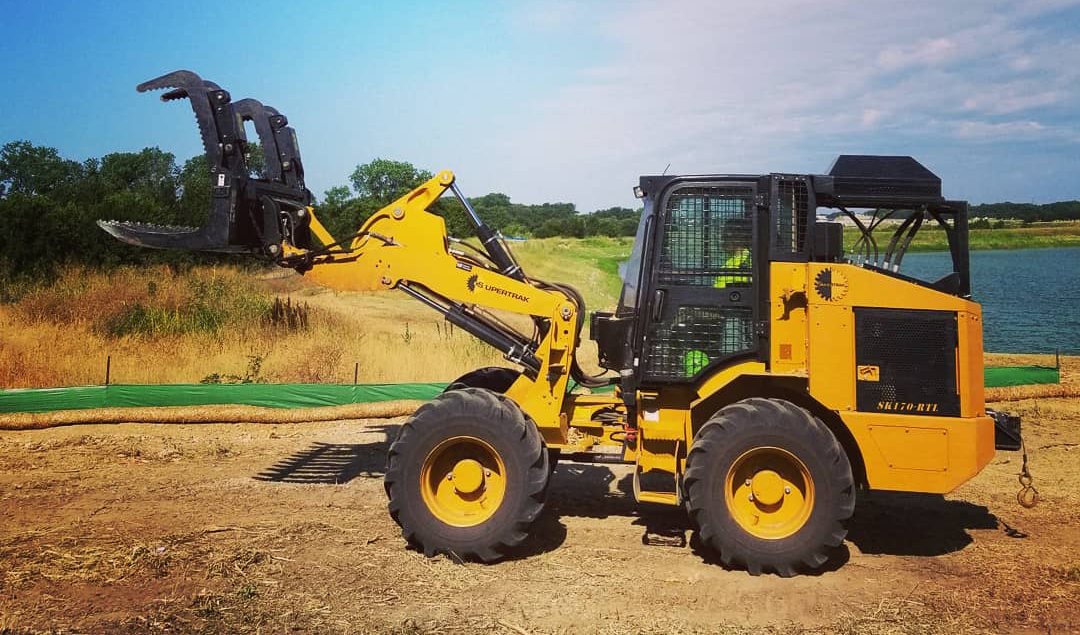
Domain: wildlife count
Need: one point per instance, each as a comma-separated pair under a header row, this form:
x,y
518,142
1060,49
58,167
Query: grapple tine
x,y
288,148
185,84
176,93
175,79
252,110
167,237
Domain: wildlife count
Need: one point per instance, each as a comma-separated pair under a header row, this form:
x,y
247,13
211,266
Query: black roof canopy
x,y
859,180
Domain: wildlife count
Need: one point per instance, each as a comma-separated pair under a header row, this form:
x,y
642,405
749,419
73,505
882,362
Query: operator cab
x,y
695,293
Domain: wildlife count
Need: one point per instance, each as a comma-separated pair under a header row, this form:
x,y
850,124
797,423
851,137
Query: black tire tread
x,y
494,378
479,403
773,416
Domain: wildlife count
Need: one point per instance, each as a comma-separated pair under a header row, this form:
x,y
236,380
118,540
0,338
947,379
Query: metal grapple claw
x,y
254,215
169,236
278,141
188,85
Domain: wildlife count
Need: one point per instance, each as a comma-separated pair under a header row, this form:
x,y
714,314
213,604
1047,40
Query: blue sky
x,y
571,101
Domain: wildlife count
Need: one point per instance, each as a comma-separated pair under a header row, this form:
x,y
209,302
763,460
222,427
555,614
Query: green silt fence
x,y
265,395
314,395
1021,376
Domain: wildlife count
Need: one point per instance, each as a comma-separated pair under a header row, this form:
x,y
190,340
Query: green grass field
x,y
1057,234
591,265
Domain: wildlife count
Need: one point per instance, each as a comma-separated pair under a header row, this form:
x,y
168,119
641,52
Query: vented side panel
x,y
791,218
697,336
706,230
905,362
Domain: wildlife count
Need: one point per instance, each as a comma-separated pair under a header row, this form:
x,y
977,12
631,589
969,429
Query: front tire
x,y
467,475
769,487
494,378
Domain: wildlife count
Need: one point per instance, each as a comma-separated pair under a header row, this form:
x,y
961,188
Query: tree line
x,y
49,206
1030,212
376,184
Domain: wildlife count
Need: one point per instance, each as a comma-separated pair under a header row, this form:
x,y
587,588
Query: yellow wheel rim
x,y
463,481
769,492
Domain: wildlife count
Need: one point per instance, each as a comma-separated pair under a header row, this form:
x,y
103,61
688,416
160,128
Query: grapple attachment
x,y
248,214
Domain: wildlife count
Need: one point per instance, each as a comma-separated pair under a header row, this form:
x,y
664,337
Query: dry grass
x,y
161,327
54,337
149,302
115,559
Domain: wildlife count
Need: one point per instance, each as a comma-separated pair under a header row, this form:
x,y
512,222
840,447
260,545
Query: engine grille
x,y
906,362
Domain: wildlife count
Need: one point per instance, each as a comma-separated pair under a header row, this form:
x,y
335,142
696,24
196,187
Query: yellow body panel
x,y
921,454
725,376
788,341
900,450
832,356
969,365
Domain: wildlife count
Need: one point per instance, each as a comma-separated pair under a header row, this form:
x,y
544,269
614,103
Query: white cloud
x,y
1001,130
1008,99
786,85
930,52
871,116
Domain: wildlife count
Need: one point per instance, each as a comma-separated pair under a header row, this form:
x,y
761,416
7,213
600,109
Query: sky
x,y
564,101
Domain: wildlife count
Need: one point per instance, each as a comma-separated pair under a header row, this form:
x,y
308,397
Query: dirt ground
x,y
283,528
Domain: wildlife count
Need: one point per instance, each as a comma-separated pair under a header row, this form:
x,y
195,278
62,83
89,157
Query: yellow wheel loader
x,y
761,374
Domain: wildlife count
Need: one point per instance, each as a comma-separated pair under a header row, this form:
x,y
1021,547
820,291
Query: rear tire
x,y
769,487
494,451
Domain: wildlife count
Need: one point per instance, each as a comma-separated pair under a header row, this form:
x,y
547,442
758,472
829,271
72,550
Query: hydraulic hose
x,y
578,374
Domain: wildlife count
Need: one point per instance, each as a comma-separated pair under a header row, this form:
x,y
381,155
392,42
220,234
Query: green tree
x,y
494,209
34,236
383,180
29,169
194,185
256,160
341,213
150,172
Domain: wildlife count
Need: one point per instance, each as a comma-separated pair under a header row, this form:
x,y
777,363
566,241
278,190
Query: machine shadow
x,y
333,463
577,490
906,524
585,491
884,523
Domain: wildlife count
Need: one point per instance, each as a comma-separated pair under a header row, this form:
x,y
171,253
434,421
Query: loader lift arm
x,y
402,246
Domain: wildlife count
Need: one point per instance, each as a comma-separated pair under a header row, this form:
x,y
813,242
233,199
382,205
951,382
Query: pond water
x,y
1030,297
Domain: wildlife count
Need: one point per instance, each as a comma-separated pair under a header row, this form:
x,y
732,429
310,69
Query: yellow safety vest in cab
x,y
739,260
695,360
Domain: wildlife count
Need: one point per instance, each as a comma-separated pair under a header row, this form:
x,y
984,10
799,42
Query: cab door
x,y
702,305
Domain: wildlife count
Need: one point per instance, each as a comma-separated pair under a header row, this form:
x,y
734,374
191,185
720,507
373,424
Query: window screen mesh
x,y
791,217
707,236
697,336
